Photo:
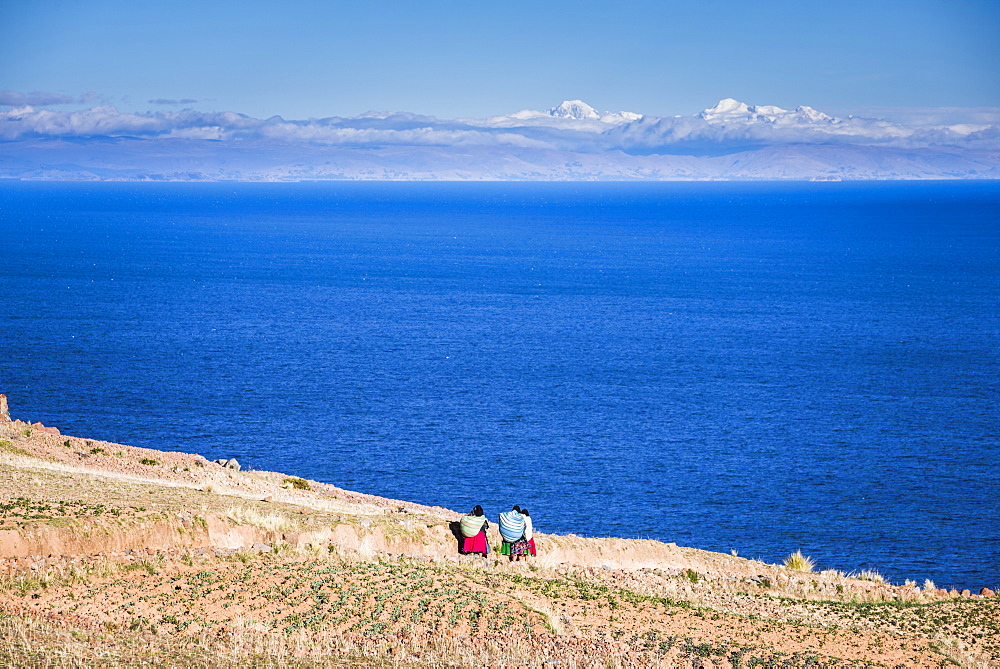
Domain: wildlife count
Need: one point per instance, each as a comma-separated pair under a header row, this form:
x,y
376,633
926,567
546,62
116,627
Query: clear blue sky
x,y
477,58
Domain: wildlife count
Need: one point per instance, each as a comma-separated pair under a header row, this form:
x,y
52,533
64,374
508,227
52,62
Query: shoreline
x,y
174,468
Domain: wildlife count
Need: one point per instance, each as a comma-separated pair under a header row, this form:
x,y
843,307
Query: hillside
x,y
112,555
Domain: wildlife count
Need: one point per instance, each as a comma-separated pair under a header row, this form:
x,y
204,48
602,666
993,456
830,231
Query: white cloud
x,y
934,116
171,102
36,99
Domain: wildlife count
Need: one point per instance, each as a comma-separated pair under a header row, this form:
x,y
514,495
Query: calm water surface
x,y
758,367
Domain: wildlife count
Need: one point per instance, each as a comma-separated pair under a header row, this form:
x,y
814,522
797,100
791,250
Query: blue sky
x,y
452,59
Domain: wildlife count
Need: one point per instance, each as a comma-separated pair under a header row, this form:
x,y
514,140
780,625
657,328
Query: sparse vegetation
x,y
267,520
149,461
23,511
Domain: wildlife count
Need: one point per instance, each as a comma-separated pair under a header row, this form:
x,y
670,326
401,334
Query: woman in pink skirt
x,y
528,531
474,528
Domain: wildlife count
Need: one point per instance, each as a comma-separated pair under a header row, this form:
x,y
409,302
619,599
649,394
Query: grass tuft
x,y
871,575
799,562
245,515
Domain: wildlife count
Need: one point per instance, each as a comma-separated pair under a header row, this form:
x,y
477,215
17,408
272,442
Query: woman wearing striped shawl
x,y
512,532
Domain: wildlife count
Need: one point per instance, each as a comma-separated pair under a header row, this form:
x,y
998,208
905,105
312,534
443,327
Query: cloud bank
x,y
532,144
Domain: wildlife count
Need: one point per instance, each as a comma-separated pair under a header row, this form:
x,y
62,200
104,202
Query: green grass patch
x,y
297,483
11,448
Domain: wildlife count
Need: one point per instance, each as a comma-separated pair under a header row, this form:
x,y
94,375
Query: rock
x,y
4,410
966,593
986,592
230,463
42,428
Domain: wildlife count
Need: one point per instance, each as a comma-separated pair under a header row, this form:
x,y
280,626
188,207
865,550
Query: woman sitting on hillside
x,y
512,533
529,529
474,528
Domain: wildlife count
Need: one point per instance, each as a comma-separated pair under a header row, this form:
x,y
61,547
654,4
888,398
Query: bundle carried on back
x,y
511,526
472,525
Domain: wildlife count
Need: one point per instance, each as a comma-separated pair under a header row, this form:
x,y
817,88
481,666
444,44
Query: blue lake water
x,y
761,367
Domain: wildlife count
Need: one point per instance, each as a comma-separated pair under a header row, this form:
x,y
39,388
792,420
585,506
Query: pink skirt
x,y
476,544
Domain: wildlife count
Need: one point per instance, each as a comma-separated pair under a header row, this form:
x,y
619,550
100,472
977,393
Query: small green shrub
x,y
68,444
297,483
149,461
98,451
799,562
691,575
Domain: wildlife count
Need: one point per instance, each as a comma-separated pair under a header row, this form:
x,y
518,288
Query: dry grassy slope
x,y
87,524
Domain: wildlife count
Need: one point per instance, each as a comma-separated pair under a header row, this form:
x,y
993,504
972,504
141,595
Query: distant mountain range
x,y
572,141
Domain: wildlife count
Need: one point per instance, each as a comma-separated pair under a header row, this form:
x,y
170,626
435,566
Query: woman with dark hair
x,y
474,532
529,529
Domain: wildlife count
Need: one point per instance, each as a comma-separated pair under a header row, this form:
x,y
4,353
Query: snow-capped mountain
x,y
576,109
729,110
570,114
580,110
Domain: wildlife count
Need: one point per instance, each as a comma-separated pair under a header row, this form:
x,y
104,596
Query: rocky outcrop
x,y
4,410
46,429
